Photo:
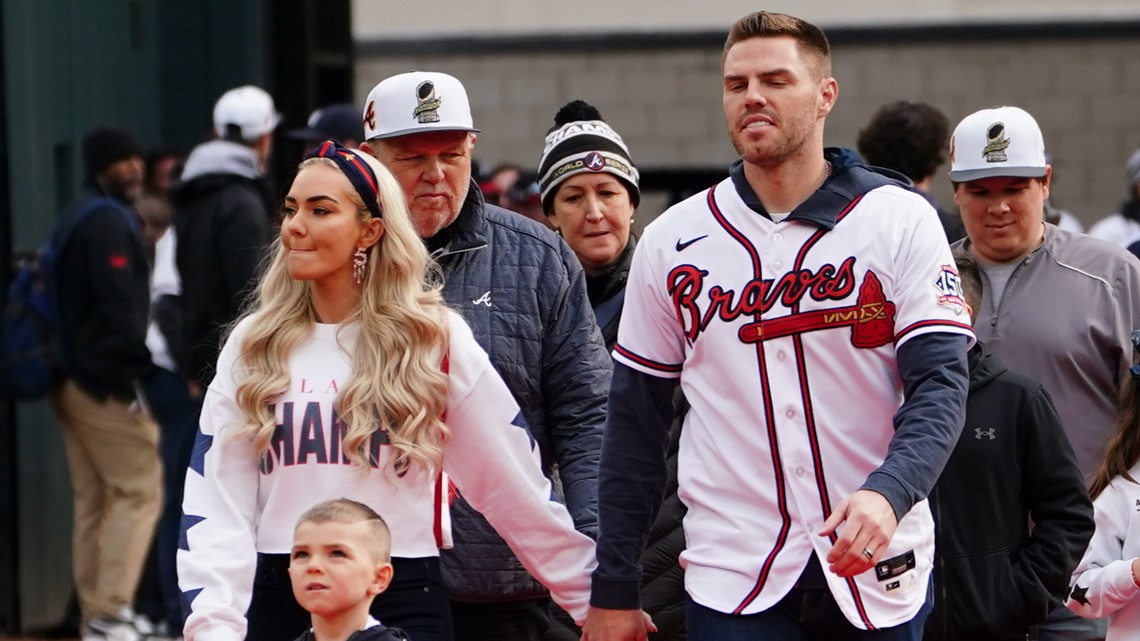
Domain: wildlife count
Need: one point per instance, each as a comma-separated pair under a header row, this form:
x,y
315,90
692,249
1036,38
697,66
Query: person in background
x,y
1106,582
111,442
994,576
910,137
1079,350
222,224
1123,227
590,189
339,122
521,289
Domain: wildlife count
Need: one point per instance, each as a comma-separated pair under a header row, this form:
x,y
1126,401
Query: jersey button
x,y
777,264
800,471
777,237
781,356
790,413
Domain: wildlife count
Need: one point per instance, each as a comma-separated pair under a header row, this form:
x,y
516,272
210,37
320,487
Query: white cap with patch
x,y
1005,141
416,102
248,108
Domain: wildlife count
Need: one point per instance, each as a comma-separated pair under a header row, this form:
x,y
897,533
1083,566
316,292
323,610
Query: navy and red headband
x,y
356,170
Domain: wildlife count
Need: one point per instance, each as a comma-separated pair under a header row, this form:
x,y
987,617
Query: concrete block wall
x,y
666,102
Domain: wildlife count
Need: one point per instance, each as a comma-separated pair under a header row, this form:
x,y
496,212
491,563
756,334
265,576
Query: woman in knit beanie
x,y
589,188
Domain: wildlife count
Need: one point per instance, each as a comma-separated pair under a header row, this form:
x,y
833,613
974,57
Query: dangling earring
x,y
359,262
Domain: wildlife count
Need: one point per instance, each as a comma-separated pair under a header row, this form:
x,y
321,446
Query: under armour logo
x,y
485,299
990,433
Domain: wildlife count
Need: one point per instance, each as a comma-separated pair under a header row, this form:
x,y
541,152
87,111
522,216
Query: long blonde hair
x,y
397,382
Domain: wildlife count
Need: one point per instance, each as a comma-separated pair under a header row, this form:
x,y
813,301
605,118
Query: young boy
x,y
339,563
994,574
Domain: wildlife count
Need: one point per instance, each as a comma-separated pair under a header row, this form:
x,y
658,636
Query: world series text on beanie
x,y
248,108
416,102
580,142
1005,141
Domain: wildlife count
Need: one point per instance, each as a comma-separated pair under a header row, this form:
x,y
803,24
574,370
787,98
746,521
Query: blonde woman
x,y
348,378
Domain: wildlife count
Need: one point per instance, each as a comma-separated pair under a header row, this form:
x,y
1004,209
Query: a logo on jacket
x,y
990,434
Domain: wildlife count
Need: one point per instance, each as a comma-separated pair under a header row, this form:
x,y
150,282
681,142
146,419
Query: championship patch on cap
x,y
428,108
997,142
416,102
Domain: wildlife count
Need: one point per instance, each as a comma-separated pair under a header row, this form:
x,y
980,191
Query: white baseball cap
x,y
416,102
1005,141
250,108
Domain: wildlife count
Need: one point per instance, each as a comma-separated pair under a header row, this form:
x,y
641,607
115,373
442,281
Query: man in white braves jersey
x,y
810,308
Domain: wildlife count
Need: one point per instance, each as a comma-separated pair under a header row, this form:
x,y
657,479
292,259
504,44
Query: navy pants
x,y
176,413
807,613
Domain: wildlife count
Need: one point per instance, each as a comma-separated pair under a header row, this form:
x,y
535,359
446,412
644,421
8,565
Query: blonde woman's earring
x,y
359,262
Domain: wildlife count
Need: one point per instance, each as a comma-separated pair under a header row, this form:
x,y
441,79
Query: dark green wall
x,y
69,65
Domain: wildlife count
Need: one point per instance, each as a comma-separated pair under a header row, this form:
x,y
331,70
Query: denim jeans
x,y
1065,625
177,415
805,614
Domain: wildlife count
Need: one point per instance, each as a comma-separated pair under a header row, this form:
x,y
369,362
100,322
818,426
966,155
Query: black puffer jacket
x,y
662,580
222,225
522,291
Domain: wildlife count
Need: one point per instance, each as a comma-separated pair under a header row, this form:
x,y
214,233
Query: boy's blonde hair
x,y
350,512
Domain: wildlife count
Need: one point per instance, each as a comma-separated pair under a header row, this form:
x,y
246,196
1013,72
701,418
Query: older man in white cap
x,y
522,291
1058,304
222,219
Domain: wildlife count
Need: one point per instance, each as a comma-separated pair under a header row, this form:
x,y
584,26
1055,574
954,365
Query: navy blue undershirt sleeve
x,y
631,482
935,380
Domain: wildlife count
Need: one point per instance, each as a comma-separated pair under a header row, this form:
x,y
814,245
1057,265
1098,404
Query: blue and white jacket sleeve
x,y
496,465
217,555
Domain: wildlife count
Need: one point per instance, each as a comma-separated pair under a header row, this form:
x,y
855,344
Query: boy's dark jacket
x,y
375,633
1012,470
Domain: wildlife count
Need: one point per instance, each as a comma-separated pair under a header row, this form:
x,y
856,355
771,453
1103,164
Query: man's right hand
x,y
617,625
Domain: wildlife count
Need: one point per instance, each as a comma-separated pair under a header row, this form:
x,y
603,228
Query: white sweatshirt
x,y
237,506
1102,584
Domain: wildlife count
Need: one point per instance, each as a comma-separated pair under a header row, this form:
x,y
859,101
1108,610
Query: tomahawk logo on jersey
x,y
784,336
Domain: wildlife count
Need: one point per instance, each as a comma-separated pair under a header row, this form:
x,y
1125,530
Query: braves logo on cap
x,y
370,115
428,108
595,161
996,143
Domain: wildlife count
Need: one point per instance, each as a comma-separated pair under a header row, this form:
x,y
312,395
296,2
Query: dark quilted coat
x,y
522,291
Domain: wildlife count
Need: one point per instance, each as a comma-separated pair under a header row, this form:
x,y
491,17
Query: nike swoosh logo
x,y
681,246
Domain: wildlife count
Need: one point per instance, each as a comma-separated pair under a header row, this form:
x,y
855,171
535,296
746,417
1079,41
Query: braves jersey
x,y
784,337
237,505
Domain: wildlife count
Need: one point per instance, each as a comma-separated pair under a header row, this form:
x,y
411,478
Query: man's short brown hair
x,y
764,24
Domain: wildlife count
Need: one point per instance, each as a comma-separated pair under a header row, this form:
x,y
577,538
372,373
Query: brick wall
x,y
1085,93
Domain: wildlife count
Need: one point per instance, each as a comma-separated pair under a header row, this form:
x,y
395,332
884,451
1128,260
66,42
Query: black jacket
x,y
375,633
662,580
522,291
1012,466
104,296
221,221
